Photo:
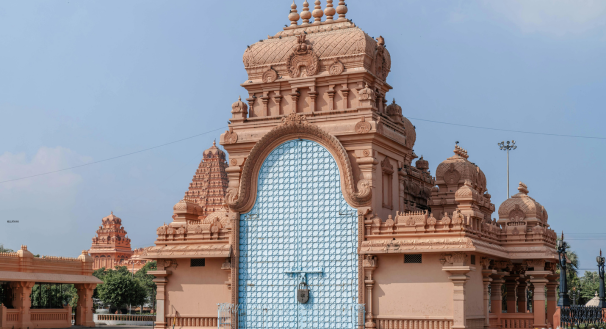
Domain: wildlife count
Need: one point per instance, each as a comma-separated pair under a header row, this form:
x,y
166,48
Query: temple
x,y
330,222
111,247
209,184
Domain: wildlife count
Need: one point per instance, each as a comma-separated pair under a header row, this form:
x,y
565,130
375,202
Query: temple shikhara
x,y
324,216
111,247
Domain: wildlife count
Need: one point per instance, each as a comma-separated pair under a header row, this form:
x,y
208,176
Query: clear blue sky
x,y
83,81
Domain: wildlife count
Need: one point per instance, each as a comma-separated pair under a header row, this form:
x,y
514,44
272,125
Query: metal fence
x,y
346,316
580,315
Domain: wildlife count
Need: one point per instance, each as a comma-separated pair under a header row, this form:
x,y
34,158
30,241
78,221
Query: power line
x,y
112,158
509,130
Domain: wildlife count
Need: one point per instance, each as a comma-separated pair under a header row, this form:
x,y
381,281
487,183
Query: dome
x,y
112,219
323,43
456,169
393,109
214,152
411,133
187,207
522,207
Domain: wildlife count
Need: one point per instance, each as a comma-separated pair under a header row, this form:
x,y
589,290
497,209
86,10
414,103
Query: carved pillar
x,y
226,266
294,97
251,104
511,284
552,297
522,295
313,94
486,280
456,265
331,95
278,100
345,93
539,281
265,101
161,280
369,264
496,296
84,308
22,301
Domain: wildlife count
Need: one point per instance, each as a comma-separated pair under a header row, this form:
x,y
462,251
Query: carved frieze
x,y
302,62
269,76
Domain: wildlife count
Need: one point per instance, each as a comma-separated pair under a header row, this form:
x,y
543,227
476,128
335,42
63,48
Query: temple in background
x,y
111,247
209,184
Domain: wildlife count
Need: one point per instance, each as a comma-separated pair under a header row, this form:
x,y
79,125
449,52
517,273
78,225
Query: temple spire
x,y
293,16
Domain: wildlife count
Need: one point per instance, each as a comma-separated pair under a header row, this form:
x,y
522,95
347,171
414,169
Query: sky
x,y
86,81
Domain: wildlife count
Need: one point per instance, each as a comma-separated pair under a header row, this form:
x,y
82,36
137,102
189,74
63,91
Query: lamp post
x,y
601,260
574,294
510,146
563,300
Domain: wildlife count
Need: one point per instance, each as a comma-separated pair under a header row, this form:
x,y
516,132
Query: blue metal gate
x,y
300,229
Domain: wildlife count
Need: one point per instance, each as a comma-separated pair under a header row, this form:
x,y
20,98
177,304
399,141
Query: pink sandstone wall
x,y
411,290
474,292
195,291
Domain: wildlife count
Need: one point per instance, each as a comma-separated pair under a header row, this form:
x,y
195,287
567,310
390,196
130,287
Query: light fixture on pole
x,y
509,146
601,261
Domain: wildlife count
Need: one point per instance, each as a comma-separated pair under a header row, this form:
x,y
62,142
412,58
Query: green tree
x,y
119,289
589,285
2,249
147,280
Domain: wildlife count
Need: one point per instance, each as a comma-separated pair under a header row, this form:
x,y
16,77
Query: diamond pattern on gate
x,y
300,221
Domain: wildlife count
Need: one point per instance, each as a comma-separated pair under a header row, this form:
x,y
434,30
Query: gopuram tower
x,y
111,246
329,223
209,184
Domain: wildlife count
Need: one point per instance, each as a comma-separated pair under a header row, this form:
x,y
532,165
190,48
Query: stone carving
x,y
457,218
270,75
445,220
386,166
233,162
452,176
369,261
366,94
336,67
431,220
302,62
167,263
382,60
239,106
485,262
363,127
241,198
515,231
231,137
226,264
537,264
516,215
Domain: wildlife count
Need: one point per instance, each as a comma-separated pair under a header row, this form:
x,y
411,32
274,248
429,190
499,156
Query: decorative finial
x,y
317,13
305,13
342,10
111,212
293,16
522,188
214,144
329,11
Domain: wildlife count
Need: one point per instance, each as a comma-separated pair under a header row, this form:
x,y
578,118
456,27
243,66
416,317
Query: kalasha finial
x,y
317,13
293,16
305,13
329,11
342,10
215,143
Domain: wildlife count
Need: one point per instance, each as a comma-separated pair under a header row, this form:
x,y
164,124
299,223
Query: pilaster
x,y
369,264
511,284
23,302
486,280
523,294
552,297
161,280
458,275
496,296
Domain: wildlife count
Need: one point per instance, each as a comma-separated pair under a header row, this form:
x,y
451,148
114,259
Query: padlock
x,y
303,293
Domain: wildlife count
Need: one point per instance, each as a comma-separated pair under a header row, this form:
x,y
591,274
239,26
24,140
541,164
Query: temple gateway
x,y
328,223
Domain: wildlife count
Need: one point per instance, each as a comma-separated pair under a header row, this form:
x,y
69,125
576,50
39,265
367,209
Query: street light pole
x,y
507,147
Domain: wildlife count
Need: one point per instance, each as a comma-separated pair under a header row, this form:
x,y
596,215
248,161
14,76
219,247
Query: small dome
x,y
112,219
522,207
187,207
239,106
422,164
393,109
456,169
214,152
